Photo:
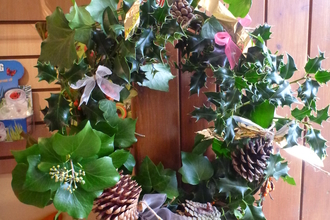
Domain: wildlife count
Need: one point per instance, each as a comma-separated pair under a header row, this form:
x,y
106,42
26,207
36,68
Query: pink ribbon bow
x,y
232,51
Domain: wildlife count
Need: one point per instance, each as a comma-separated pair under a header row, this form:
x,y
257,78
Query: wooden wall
x,y
299,28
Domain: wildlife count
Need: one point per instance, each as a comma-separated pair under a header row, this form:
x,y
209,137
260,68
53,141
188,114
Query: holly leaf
x,y
228,185
263,31
283,95
97,7
263,114
145,41
110,24
201,144
287,70
46,72
307,92
210,27
92,111
195,168
161,13
252,212
300,114
99,174
58,48
322,76
277,168
229,129
204,112
58,113
77,72
197,81
240,83
314,64
239,8
172,28
322,115
77,204
224,77
38,199
146,10
150,178
84,144
121,68
220,148
125,136
316,142
294,133
157,75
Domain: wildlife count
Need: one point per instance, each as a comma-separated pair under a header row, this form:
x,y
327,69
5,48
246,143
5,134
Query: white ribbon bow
x,y
108,88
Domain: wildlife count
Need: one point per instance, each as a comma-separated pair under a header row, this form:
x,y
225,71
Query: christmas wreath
x,y
100,52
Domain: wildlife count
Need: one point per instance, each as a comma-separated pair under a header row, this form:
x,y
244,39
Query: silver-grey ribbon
x,y
108,88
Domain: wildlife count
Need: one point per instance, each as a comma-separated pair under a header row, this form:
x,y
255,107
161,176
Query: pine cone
x,y
196,210
251,161
182,11
119,201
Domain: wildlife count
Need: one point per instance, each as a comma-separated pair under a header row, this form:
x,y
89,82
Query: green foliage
x,y
314,64
204,112
263,114
239,8
316,142
46,72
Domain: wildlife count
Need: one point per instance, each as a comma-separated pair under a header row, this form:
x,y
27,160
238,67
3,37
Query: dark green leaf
x,y
322,76
300,114
286,71
77,72
253,213
228,186
263,31
313,65
171,27
229,130
307,92
127,49
58,114
146,10
47,152
210,27
240,83
119,157
110,111
26,196
316,142
220,149
204,112
263,114
239,8
125,135
121,68
197,82
276,167
46,72
127,4
145,40
110,23
130,162
97,7
161,13
172,188
58,48
281,122
107,143
21,155
92,111
100,174
201,144
84,144
77,204
294,133
195,168
322,115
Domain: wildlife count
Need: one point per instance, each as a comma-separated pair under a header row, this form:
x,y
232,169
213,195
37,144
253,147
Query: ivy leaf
x,y
322,76
77,72
150,178
286,71
99,174
204,112
119,157
307,92
58,48
322,115
239,8
294,133
161,13
195,168
121,68
97,7
201,144
263,31
210,27
58,113
145,40
316,142
263,114
21,155
276,167
107,143
39,199
301,114
81,21
37,180
109,111
313,65
84,144
197,81
157,75
46,72
172,188
125,135
92,111
130,163
48,153
253,213
77,204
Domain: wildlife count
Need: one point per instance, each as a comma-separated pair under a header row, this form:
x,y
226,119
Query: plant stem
x,y
297,80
